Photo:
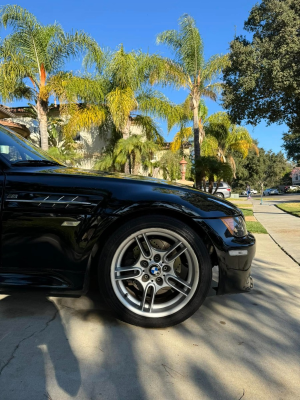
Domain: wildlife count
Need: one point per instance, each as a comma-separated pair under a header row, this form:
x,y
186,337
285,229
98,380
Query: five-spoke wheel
x,y
156,270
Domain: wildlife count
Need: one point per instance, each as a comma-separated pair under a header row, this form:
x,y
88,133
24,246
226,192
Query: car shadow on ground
x,y
28,348
61,348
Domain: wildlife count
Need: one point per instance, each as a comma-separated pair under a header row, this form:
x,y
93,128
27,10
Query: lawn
x,y
246,208
252,226
247,212
291,208
255,227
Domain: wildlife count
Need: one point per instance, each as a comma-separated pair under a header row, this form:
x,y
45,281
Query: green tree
x,y
190,70
169,164
31,56
267,170
262,79
291,144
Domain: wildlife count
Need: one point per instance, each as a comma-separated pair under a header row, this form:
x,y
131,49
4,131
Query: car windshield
x,y
19,151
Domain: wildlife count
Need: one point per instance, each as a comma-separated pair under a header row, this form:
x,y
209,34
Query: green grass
x,y
291,208
252,226
246,212
255,227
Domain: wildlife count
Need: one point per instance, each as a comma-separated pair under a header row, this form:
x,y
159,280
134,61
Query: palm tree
x,y
224,138
134,151
31,56
190,68
118,93
186,133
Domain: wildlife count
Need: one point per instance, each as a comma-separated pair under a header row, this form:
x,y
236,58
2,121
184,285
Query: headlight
x,y
235,225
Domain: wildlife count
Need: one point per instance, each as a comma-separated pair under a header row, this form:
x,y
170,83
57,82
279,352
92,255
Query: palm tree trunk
x,y
42,109
126,130
126,134
197,149
127,167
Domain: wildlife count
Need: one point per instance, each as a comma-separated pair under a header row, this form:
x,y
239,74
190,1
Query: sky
x,y
136,24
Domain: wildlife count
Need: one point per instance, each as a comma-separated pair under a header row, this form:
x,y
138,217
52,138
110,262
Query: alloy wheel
x,y
154,272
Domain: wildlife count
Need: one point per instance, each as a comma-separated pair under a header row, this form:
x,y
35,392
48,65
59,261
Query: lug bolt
x,y
158,280
156,258
144,264
145,277
165,268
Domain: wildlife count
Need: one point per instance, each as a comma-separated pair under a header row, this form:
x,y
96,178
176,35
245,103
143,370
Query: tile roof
x,y
19,128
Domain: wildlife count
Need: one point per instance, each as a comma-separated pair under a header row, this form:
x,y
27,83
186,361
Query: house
x,y
295,174
6,117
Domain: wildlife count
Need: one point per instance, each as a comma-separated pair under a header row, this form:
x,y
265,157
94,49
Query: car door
x,y
47,224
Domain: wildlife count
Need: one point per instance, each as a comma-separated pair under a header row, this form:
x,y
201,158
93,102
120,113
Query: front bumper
x,y
234,269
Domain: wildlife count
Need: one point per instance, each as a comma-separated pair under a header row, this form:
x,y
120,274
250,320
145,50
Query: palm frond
x,y
181,137
210,94
121,101
214,66
17,17
163,71
83,118
156,104
150,128
191,51
171,38
123,69
209,146
186,44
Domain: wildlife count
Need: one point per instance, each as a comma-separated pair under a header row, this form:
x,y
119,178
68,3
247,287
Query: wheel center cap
x,y
155,270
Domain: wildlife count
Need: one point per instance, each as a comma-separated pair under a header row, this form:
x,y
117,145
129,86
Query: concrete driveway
x,y
243,346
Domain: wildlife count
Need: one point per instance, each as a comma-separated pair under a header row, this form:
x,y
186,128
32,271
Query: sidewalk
x,y
282,227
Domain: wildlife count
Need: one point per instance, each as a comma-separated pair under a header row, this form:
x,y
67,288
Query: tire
x,y
186,277
220,195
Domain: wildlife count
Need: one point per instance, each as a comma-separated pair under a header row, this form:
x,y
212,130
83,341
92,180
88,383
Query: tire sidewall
x,y
105,265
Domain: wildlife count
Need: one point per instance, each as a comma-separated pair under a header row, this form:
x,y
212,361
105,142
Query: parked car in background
x,y
224,190
291,188
252,191
148,245
271,191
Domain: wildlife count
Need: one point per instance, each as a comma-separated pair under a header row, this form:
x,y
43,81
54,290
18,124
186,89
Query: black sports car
x,y
148,243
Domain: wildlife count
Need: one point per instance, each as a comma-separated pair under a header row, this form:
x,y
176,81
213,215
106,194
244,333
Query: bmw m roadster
x,y
150,244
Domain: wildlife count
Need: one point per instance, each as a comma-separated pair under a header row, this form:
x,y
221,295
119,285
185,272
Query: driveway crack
x,y
26,338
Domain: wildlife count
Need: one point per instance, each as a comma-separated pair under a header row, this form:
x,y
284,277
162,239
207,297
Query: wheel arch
x,y
121,220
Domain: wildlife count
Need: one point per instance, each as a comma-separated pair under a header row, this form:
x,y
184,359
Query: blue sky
x,y
136,23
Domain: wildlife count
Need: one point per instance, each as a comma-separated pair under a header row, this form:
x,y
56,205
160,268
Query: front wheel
x,y
154,271
220,195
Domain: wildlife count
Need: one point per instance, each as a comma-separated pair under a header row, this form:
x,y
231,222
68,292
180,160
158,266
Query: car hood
x,y
125,191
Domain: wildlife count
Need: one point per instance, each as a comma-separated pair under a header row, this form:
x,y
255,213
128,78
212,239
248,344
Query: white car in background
x,y
271,191
252,191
